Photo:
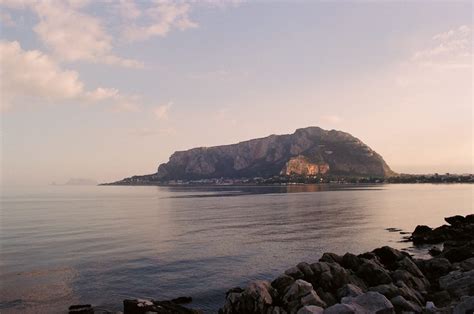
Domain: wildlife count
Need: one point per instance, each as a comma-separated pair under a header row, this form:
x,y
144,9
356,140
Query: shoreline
x,y
385,280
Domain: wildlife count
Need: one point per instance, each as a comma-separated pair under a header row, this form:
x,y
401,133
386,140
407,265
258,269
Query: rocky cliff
x,y
308,151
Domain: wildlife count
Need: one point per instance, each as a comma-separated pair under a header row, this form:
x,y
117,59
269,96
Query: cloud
x,y
71,34
6,19
163,16
34,76
161,112
448,50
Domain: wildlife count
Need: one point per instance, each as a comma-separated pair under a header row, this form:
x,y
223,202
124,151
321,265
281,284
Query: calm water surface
x,y
62,244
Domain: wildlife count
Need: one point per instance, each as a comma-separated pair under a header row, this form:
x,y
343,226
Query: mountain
x,y
81,181
308,151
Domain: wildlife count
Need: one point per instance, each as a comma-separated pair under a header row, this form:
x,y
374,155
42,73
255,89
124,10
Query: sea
x,y
63,245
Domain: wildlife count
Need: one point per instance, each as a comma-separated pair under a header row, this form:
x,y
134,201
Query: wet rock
x,y
421,233
340,309
310,309
460,253
351,261
437,267
466,306
458,283
388,256
312,298
388,290
402,305
441,298
256,298
419,284
373,274
455,220
297,290
282,283
294,272
182,300
276,310
305,268
369,302
467,264
331,258
138,306
407,264
434,251
301,293
81,309
349,290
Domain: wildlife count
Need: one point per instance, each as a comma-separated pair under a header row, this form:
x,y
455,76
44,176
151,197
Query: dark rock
x,y
182,300
467,264
294,272
138,306
458,283
437,267
327,297
407,264
387,255
421,233
331,258
369,256
434,251
351,261
310,309
410,294
306,270
419,284
459,254
349,290
402,305
282,283
81,309
441,298
340,309
455,220
370,302
388,290
466,306
299,294
256,298
373,274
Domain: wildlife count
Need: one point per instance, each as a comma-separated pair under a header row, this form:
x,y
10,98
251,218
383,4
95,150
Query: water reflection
x,y
99,245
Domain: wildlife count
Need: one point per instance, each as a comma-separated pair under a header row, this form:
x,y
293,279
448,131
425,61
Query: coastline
x,y
384,280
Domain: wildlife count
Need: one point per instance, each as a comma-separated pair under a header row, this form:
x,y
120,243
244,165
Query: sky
x,y
110,89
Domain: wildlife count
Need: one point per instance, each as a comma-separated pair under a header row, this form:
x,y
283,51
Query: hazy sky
x,y
109,89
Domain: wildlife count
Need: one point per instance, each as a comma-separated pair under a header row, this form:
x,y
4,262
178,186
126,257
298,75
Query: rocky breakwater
x,y
385,280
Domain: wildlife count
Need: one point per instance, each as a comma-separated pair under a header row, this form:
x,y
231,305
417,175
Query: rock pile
x,y
385,280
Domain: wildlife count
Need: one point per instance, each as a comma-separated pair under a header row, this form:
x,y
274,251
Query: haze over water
x,y
62,245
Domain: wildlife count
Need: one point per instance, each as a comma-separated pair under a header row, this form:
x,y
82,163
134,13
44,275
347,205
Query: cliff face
x,y
308,151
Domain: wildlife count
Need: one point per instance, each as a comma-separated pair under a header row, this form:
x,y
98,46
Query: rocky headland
x,y
308,152
384,280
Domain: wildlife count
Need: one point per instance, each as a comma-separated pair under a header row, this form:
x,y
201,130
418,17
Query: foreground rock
x,y
385,280
139,306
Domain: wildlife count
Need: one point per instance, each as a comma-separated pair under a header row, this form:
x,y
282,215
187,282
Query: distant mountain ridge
x,y
309,151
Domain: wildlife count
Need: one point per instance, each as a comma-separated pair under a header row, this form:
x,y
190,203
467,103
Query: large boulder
x,y
349,290
301,293
369,302
351,261
310,309
340,309
388,256
373,274
437,267
331,258
402,305
256,298
419,284
455,220
282,283
458,283
465,306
